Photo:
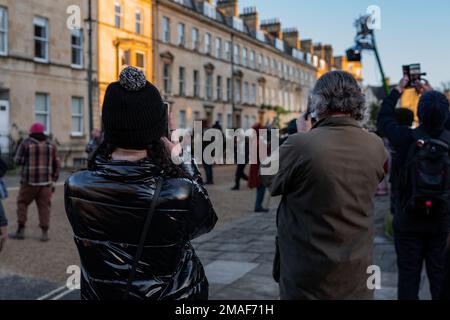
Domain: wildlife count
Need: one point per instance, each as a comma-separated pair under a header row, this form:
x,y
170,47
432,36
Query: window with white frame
x,y
196,82
77,116
166,29
40,39
77,47
237,54
228,89
219,88
125,58
208,43
209,86
228,50
195,39
244,56
42,110
167,78
182,81
118,15
238,90
229,120
247,122
252,59
220,118
181,34
253,94
3,31
138,18
140,60
218,48
182,119
246,92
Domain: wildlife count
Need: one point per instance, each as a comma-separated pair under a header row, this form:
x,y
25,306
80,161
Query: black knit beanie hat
x,y
134,114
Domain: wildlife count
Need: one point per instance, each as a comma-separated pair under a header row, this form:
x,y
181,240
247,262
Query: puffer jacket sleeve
x,y
191,168
202,217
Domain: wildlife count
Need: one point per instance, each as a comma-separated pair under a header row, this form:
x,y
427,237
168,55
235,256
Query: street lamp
x,y
365,40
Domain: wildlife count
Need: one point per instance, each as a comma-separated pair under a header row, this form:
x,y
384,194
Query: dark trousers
x,y
240,174
413,249
260,193
445,294
209,173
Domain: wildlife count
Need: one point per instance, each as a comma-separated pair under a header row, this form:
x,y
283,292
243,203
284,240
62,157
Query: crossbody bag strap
x,y
142,239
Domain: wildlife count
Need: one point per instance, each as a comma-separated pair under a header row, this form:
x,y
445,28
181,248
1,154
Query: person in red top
x,y
40,170
254,178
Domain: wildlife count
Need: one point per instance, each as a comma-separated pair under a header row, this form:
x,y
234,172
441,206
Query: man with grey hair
x,y
328,177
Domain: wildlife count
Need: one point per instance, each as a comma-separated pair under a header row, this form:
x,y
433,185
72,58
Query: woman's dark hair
x,y
156,152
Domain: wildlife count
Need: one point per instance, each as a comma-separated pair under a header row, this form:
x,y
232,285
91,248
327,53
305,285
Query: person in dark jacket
x,y
328,177
418,239
445,293
3,220
108,204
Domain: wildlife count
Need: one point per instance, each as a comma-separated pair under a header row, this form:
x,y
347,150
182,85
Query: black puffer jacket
x,y
107,207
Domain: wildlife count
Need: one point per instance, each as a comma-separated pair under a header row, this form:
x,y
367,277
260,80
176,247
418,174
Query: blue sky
x,y
412,31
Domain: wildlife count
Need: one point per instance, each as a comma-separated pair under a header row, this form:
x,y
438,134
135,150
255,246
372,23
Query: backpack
x,y
425,181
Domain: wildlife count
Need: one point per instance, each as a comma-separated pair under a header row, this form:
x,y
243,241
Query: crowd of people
x,y
134,212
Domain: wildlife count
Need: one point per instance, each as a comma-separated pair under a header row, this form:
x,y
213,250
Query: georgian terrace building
x,y
212,63
43,75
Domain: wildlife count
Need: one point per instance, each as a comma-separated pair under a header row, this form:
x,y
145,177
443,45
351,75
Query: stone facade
x,y
200,48
43,75
125,38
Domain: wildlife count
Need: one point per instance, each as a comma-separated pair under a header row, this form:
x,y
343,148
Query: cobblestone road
x,y
237,255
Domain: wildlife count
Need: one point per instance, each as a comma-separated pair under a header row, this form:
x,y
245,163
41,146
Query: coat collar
x,y
337,122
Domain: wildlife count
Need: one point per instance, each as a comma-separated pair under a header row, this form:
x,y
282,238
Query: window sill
x,y
77,67
39,60
77,136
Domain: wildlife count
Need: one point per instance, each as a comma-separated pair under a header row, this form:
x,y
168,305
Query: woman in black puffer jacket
x,y
108,204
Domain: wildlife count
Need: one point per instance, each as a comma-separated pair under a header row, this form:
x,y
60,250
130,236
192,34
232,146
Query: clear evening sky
x,y
412,31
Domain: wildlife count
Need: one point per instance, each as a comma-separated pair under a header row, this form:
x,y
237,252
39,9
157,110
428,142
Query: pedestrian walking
x,y
254,178
241,160
422,188
207,165
133,211
327,177
40,171
445,293
3,195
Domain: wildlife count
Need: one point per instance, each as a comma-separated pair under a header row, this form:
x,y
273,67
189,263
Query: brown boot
x,y
19,234
44,236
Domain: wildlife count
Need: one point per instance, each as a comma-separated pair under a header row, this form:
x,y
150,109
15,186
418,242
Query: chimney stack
x,y
273,27
229,8
328,52
292,37
307,46
251,18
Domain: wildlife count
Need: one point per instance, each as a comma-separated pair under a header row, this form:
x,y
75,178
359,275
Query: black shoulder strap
x,y
142,239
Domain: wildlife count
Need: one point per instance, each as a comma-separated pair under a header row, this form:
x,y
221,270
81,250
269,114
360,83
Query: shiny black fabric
x,y
107,206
